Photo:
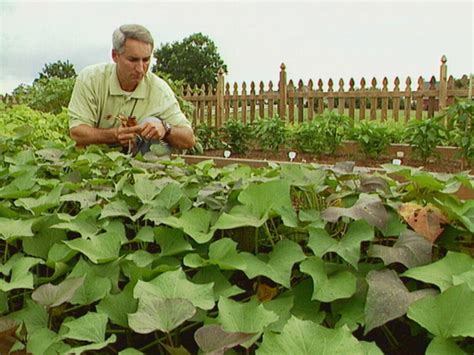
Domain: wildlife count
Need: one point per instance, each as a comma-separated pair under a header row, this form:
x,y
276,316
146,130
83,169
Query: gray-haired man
x,y
104,93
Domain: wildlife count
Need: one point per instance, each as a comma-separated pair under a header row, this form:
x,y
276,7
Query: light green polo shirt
x,y
97,95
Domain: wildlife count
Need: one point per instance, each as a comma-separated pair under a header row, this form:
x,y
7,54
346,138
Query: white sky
x,y
315,39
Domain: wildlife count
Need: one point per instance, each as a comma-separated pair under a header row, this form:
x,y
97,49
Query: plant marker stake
x,y
226,153
291,155
396,162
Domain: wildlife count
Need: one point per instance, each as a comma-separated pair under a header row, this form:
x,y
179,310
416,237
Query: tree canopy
x,y
58,69
194,60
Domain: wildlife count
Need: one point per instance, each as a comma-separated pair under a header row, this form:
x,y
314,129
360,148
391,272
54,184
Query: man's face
x,y
133,63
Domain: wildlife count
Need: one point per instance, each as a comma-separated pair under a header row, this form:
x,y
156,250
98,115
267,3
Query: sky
x,y
315,39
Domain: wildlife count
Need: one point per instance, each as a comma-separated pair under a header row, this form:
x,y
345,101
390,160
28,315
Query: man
x,y
104,93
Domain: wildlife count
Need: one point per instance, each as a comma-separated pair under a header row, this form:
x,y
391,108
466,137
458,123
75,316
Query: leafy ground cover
x,y
104,253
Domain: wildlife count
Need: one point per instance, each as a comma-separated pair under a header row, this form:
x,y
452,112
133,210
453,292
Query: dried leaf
x,y
265,292
425,221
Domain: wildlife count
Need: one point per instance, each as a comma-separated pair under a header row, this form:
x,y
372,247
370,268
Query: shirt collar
x,y
115,89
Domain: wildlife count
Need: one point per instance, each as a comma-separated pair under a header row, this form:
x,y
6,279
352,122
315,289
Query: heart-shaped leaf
x,y
410,249
348,247
388,298
174,284
90,327
447,315
50,295
328,285
163,314
214,340
367,207
442,272
308,338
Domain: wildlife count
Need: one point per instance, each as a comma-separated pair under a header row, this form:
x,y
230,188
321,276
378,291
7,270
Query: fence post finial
x,y
282,92
443,83
220,96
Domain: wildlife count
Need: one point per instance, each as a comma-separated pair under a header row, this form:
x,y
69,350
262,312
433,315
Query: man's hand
x,y
153,130
126,135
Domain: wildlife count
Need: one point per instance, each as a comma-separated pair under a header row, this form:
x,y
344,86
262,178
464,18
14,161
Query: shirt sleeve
x,y
169,107
83,108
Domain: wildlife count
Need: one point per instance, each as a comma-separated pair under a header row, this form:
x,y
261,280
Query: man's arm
x,y
85,135
178,137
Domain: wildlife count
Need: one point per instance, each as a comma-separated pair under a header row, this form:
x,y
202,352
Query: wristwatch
x,y
167,128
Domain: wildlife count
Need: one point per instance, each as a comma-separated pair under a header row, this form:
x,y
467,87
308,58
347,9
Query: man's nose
x,y
141,66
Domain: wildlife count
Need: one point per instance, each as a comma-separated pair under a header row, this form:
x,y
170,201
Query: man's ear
x,y
115,55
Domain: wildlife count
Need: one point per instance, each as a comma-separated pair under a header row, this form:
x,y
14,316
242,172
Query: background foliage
x,y
194,60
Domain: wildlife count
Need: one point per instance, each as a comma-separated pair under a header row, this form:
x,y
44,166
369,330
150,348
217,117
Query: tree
x,y
195,60
59,69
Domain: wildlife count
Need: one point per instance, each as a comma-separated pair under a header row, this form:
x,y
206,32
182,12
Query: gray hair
x,y
124,32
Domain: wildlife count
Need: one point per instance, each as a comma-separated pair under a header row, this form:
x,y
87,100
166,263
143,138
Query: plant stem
x,y
390,337
170,339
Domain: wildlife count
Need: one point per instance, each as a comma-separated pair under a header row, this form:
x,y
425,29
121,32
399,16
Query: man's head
x,y
132,51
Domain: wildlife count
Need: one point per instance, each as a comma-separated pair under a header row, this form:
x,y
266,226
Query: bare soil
x,y
439,164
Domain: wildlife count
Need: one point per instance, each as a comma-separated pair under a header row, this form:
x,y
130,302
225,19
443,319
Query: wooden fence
x,y
300,102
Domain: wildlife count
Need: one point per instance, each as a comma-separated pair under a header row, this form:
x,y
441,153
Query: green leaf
x,y
222,286
301,175
279,265
174,284
145,234
388,298
43,241
95,346
307,338
441,272
303,306
170,195
449,314
90,327
348,247
367,207
12,228
33,315
194,222
145,189
17,269
441,346
43,203
259,202
41,340
222,253
116,209
94,287
161,314
411,250
50,295
99,249
85,198
85,223
328,285
215,340
247,317
118,306
171,241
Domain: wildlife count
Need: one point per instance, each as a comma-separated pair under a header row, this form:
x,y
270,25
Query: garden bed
x,y
446,161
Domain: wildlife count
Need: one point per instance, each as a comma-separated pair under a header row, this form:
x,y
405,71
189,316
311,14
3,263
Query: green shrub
x,y
271,133
372,138
208,137
236,136
47,95
425,135
461,127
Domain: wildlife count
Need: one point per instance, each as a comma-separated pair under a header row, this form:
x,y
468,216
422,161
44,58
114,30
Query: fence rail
x,y
300,102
